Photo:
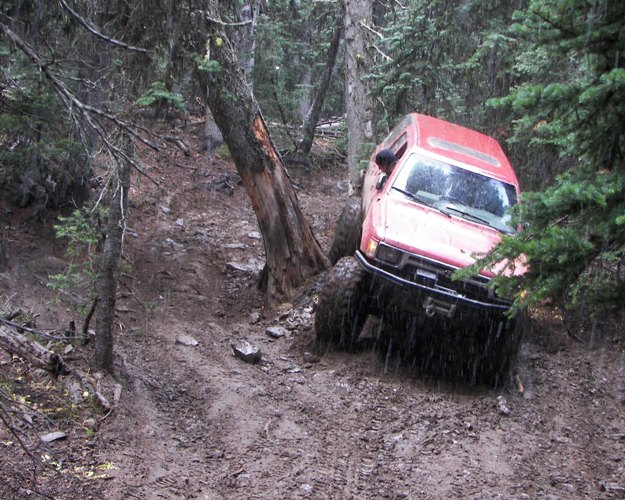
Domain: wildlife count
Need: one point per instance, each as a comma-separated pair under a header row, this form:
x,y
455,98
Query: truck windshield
x,y
457,191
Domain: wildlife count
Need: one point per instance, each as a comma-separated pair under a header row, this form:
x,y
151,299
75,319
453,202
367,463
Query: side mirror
x,y
381,182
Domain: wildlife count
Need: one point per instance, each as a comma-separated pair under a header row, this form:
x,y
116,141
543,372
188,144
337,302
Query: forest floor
x,y
195,422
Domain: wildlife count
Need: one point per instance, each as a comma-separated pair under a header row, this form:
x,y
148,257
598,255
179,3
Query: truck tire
x,y
342,308
348,230
502,345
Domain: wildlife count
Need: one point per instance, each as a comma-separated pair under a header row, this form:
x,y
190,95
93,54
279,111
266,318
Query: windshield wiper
x,y
421,200
472,216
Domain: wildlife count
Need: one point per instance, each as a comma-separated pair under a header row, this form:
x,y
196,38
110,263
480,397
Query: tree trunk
x,y
360,126
312,117
244,40
109,264
292,252
212,135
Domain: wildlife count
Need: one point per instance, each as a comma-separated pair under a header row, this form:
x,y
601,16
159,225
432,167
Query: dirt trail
x,y
195,422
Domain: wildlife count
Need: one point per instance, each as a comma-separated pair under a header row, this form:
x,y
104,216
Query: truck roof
x,y
458,143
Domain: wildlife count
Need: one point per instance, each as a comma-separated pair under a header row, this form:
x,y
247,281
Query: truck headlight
x,y
388,255
372,247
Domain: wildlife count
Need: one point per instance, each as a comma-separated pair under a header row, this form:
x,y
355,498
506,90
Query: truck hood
x,y
428,232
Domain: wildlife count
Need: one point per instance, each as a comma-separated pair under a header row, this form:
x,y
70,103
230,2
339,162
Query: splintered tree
x,y
292,252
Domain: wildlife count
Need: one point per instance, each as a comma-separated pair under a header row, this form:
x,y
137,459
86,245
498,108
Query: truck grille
x,y
437,275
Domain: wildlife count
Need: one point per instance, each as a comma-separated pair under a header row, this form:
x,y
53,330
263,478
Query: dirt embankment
x,y
194,421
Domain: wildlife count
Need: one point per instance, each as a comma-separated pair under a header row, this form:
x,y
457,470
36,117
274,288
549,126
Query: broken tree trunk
x,y
292,252
31,351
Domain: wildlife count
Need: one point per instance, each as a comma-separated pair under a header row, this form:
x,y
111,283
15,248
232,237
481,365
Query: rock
x,y
254,235
180,222
53,436
276,332
502,405
247,352
309,357
91,424
74,389
235,246
252,266
236,266
254,318
187,340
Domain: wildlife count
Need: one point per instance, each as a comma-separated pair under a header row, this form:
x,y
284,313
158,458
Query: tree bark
x,y
212,135
245,40
312,117
109,265
360,125
292,252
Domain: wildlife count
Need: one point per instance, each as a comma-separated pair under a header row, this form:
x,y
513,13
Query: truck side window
x,y
399,146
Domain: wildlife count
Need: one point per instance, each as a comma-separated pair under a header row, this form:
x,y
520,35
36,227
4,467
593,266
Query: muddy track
x,y
195,422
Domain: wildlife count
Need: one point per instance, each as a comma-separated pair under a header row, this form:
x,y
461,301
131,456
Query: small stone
x,y
276,332
91,424
254,318
502,405
235,246
68,348
309,357
180,222
247,352
53,436
186,340
254,235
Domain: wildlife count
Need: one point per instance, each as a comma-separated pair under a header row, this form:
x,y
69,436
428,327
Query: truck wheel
x,y
502,345
348,230
342,308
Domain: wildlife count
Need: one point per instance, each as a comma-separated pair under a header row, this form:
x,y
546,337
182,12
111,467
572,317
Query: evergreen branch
x,y
85,113
92,29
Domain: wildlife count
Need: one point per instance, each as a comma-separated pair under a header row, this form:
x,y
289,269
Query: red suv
x,y
435,196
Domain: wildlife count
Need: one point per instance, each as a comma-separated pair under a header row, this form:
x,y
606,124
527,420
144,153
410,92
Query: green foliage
x,y
292,39
40,161
223,152
158,97
82,232
573,102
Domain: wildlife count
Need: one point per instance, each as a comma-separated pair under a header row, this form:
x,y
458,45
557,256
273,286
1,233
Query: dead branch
x,y
83,114
92,29
181,145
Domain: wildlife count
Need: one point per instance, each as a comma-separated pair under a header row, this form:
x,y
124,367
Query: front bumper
x,y
429,295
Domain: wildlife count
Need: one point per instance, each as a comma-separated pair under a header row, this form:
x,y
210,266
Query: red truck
x,y
435,196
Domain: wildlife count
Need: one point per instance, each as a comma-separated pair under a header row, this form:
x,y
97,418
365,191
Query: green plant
x,y
223,152
160,98
82,231
572,102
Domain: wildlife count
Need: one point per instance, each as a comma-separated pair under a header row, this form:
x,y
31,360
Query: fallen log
x,y
37,355
33,352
